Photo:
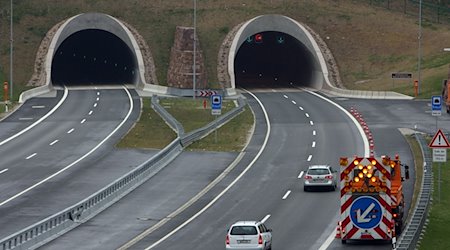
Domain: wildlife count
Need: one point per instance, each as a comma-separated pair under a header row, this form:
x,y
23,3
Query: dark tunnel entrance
x,y
93,57
272,60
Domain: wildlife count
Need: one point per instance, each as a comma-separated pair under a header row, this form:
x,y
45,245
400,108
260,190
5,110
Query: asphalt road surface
x,y
55,152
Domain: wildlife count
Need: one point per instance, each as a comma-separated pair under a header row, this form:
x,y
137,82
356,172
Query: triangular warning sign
x,y
439,141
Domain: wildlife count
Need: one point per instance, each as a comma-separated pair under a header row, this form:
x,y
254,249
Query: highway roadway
x,y
295,129
56,149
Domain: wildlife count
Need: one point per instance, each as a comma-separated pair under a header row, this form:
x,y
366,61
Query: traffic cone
x,y
338,231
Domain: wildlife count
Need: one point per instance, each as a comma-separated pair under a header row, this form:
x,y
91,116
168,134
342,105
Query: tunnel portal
x,y
273,60
95,57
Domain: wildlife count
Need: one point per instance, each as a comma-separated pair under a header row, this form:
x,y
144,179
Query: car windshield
x,y
318,171
243,230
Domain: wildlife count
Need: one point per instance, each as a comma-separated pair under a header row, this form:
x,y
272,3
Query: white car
x,y
249,235
319,176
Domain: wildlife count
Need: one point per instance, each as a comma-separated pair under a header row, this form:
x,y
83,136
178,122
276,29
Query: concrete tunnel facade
x,y
311,63
136,64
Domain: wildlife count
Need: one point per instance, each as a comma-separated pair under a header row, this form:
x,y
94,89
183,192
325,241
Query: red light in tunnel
x,y
258,38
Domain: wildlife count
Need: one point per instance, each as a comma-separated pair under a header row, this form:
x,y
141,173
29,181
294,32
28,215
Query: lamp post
x,y
11,54
194,66
420,47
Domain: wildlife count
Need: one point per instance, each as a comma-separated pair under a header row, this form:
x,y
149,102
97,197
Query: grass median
x,y
152,132
437,232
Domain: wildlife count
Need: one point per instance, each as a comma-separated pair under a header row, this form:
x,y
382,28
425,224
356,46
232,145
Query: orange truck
x,y
372,200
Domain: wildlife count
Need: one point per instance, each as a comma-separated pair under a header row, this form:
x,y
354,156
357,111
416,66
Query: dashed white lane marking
x,y
263,146
70,131
314,132
265,218
95,105
90,112
307,115
25,118
285,96
83,121
40,120
286,194
79,159
301,108
294,102
31,156
98,93
38,107
54,142
98,99
309,158
4,170
313,144
300,175
311,122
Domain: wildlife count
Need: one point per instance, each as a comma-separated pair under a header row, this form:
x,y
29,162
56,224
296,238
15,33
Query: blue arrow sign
x,y
366,212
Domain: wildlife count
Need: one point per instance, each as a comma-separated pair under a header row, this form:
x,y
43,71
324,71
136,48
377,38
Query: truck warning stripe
x,y
350,233
380,232
346,205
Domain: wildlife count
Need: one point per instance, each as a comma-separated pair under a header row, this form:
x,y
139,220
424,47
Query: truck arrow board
x,y
362,218
371,215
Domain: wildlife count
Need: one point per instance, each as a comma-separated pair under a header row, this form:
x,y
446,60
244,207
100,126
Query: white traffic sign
x,y
439,155
439,141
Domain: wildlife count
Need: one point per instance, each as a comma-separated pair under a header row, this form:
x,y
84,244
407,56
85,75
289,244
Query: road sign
x,y
439,141
436,105
366,212
401,75
206,93
216,104
439,155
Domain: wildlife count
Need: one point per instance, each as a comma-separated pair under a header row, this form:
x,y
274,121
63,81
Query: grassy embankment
x,y
152,132
368,42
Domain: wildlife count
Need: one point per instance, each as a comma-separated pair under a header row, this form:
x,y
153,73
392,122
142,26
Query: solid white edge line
x,y
38,121
70,131
4,170
265,218
330,238
309,158
79,159
286,194
266,139
31,156
300,175
53,142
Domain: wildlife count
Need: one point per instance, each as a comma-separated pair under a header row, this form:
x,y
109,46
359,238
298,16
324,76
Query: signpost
x,y
216,109
439,144
400,76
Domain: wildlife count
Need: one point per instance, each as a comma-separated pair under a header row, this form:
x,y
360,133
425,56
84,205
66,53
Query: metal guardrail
x,y
56,225
410,236
189,138
168,118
